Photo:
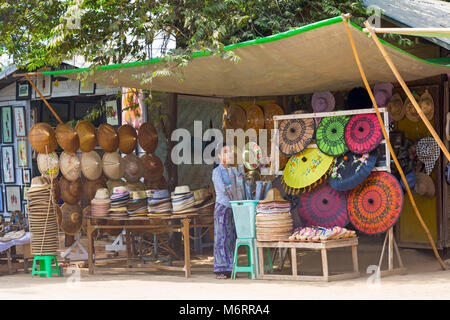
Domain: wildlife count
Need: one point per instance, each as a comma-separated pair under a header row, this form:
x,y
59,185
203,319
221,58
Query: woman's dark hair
x,y
224,144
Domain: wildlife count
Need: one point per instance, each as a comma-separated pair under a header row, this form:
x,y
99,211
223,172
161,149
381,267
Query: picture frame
x,y
44,85
112,113
22,152
23,90
86,88
7,125
26,176
13,198
8,165
24,193
1,199
20,126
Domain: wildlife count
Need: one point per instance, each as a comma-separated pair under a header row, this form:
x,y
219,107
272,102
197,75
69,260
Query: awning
x,y
312,58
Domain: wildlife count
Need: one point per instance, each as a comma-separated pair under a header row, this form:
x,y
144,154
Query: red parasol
x,y
363,133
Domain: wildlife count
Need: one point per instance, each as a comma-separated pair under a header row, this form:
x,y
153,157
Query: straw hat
x,y
91,187
424,185
67,138
426,103
234,117
411,112
91,165
70,190
134,169
70,166
107,137
71,219
111,184
272,196
87,135
270,111
323,101
42,138
102,194
153,167
382,93
181,190
113,165
396,107
127,138
48,164
148,137
255,117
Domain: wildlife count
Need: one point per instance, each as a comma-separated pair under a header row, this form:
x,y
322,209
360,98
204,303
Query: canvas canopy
x,y
312,58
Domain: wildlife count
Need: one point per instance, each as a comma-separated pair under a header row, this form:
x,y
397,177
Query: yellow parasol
x,y
305,170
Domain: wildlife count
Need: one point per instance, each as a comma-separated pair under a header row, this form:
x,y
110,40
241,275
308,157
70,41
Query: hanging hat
x,y
411,179
134,169
234,117
42,138
153,167
127,139
330,135
70,166
90,188
70,190
306,169
363,133
107,137
396,107
428,152
411,112
72,218
351,169
270,111
252,155
48,164
375,205
91,165
295,134
323,206
255,118
148,137
113,165
358,98
67,138
87,135
424,185
323,101
382,93
273,195
426,103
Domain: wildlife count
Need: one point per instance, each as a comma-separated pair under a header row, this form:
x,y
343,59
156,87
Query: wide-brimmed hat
x,y
270,111
273,195
358,98
91,165
153,167
410,110
48,164
181,190
111,184
234,117
90,188
67,138
42,138
382,93
158,194
72,218
138,195
113,165
396,107
70,166
424,185
295,134
428,152
323,101
102,194
134,169
148,137
255,117
127,138
70,190
426,103
87,135
107,137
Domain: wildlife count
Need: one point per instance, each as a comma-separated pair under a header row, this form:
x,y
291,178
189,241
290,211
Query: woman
x,y
224,230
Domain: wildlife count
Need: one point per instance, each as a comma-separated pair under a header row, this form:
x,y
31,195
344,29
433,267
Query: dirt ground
x,y
425,280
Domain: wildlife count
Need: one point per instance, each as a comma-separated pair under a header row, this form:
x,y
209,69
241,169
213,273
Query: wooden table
x,y
137,224
322,246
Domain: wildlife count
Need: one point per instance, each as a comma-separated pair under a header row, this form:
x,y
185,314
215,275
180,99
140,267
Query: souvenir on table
x,y
375,205
351,169
396,107
306,170
113,165
153,167
91,165
67,138
111,184
107,137
22,152
48,164
234,117
428,152
90,188
322,102
19,122
426,103
323,206
87,135
255,118
330,135
127,139
270,111
295,134
424,185
7,125
70,166
137,205
363,133
382,93
358,98
119,200
43,138
182,200
72,219
410,111
134,169
101,203
148,137
159,202
317,234
70,190
252,155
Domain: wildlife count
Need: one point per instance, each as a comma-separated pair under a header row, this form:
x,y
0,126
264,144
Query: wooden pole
x,y
397,164
411,31
407,91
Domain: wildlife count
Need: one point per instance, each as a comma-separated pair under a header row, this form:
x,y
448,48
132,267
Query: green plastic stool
x,y
251,267
268,267
45,266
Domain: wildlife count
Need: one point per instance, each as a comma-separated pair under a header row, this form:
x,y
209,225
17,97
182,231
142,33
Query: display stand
x,y
76,251
117,245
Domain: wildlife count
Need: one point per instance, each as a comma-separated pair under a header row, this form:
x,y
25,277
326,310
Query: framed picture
x,y
24,193
87,88
7,131
19,122
26,175
22,152
8,171
13,197
1,199
23,90
112,115
44,85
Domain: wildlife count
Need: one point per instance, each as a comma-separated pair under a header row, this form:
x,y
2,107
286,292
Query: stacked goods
x,y
321,234
119,200
42,213
273,218
183,200
159,203
137,205
101,204
204,201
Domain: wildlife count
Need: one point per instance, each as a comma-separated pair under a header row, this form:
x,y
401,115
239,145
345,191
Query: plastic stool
x,y
45,266
251,267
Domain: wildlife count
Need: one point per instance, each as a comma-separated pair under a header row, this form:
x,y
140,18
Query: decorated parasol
x,y
252,156
295,134
306,170
330,135
323,207
375,205
363,133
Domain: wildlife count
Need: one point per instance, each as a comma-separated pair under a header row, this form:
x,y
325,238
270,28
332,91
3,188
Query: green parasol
x,y
330,135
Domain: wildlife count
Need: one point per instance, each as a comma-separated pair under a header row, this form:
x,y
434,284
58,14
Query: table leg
x,y
25,265
187,249
324,262
261,260
294,261
8,255
128,240
355,258
90,246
